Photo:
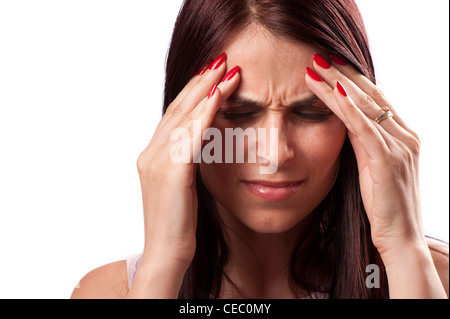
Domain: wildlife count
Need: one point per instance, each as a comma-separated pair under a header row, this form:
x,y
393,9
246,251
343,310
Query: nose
x,y
276,145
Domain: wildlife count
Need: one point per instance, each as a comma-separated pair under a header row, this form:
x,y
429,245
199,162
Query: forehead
x,y
271,67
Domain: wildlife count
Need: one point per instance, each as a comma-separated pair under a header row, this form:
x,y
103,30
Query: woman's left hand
x,y
387,154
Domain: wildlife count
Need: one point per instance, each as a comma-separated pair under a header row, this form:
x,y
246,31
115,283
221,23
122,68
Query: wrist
x,y
401,251
411,272
408,253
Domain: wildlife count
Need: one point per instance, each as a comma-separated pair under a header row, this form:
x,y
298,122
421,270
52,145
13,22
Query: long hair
x,y
333,255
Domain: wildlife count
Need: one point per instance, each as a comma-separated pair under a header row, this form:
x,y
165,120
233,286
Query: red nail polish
x,y
313,75
231,74
341,89
203,69
337,59
320,60
213,90
218,62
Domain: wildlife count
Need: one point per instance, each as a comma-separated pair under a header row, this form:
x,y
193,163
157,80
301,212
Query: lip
x,y
273,191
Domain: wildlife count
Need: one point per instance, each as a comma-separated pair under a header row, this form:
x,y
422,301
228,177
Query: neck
x,y
260,264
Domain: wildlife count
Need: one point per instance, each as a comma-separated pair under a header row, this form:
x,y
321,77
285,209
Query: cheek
x,y
320,144
219,176
221,180
215,174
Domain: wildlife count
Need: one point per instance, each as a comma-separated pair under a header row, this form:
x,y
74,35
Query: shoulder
x,y
106,282
440,254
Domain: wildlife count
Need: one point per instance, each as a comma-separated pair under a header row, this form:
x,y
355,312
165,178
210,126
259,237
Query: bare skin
x,y
273,74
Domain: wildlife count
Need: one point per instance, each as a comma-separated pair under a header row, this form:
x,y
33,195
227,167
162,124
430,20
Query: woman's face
x,y
273,94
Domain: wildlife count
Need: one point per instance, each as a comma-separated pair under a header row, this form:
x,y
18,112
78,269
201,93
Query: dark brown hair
x,y
333,255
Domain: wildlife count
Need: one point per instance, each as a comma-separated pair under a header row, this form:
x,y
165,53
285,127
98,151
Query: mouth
x,y
273,191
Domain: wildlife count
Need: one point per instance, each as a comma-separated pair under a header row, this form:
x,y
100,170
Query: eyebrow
x,y
242,100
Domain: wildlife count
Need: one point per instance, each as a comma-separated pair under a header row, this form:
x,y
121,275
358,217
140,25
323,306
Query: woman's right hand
x,y
169,192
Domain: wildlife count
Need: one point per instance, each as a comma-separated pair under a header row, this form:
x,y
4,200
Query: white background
x,y
80,96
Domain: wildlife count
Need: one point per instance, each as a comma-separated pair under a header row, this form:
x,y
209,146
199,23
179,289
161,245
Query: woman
x,y
341,195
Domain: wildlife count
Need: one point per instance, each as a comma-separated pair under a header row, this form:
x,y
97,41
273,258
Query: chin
x,y
270,220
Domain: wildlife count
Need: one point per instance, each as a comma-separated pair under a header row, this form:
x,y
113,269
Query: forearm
x,y
412,275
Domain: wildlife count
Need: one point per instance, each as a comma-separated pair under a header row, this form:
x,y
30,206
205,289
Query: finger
x,y
198,88
195,126
191,95
325,93
332,75
370,137
362,99
227,86
368,87
223,90
202,116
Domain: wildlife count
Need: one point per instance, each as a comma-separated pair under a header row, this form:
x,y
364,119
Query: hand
x,y
387,154
168,188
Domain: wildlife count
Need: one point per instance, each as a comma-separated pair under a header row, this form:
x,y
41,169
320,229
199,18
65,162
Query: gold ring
x,y
384,116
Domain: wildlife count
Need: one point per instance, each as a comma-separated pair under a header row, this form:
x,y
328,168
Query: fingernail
x,y
313,75
337,59
320,60
341,88
231,74
203,69
213,90
218,61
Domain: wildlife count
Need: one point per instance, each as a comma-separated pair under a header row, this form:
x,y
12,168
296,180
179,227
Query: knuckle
x,y
378,94
141,162
370,129
365,101
186,120
204,80
339,76
404,160
416,140
172,109
415,145
400,163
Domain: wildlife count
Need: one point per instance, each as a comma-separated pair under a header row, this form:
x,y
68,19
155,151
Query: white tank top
x,y
132,266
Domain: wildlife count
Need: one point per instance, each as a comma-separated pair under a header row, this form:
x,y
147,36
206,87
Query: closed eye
x,y
239,110
239,114
311,113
